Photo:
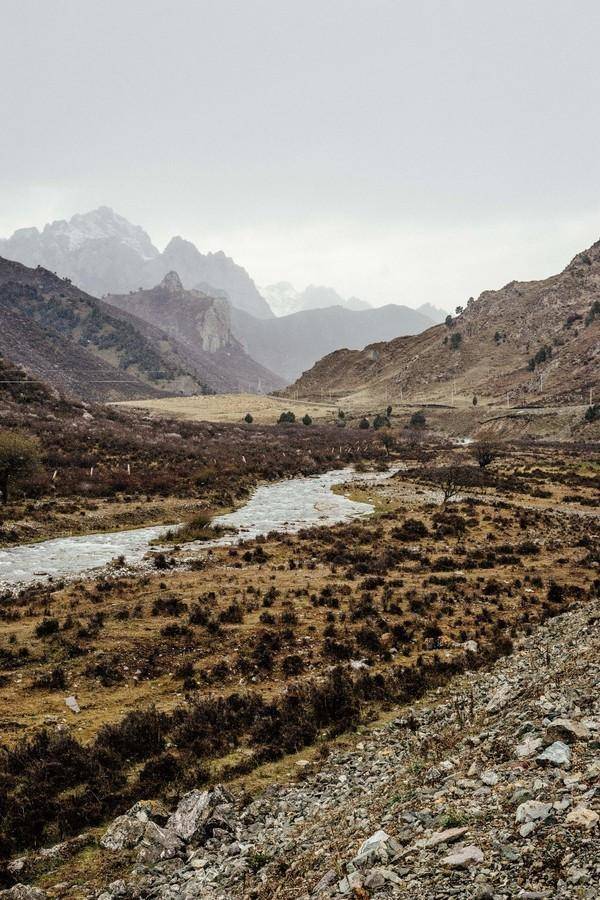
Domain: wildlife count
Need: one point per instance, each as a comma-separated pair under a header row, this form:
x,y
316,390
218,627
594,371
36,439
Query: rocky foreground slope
x,y
489,788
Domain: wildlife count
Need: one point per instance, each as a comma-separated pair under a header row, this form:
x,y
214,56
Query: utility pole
x,y
508,399
591,396
541,383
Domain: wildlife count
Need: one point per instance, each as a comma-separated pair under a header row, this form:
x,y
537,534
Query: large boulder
x,y
123,834
158,843
136,829
200,812
23,892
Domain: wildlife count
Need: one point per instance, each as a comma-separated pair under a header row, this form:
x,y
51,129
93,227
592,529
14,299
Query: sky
x,y
398,151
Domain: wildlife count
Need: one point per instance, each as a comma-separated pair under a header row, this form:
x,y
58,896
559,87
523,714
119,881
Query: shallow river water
x,y
282,506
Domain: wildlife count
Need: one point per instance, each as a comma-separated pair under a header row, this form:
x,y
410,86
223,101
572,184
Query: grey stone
x,y
557,754
350,882
449,836
326,881
464,858
532,810
196,809
23,892
123,834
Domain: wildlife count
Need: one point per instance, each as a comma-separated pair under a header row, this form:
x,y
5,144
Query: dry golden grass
x,y
232,408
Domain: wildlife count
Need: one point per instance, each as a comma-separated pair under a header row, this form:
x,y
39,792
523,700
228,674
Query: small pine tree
x,y
248,418
474,401
287,417
417,420
306,419
592,413
364,423
379,421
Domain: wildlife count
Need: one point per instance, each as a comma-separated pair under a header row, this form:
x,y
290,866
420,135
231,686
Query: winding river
x,y
282,506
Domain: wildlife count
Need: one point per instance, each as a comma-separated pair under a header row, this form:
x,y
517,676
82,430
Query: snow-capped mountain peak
x,y
99,224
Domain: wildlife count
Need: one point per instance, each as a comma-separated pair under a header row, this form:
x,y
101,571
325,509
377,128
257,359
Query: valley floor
x,y
265,409
247,664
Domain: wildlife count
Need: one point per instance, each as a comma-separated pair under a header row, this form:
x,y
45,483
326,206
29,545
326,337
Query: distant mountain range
x,y
104,253
291,344
529,342
284,299
217,332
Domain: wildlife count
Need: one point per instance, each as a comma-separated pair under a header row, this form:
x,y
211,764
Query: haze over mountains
x,y
537,342
208,303
284,299
185,322
104,253
87,348
291,344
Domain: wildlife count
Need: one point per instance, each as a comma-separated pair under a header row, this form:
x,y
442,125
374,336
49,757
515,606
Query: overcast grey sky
x,y
398,150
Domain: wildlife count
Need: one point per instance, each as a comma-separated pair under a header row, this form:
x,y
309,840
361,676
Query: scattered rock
x,y
73,705
464,858
410,784
568,730
583,817
557,754
449,836
23,892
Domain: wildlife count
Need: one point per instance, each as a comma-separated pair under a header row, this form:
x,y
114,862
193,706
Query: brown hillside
x,y
538,341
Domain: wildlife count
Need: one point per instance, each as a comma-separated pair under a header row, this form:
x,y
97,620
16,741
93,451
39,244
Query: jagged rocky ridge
x,y
203,324
104,253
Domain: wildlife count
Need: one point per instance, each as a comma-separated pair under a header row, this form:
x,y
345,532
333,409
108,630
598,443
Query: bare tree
x,y
485,453
388,441
451,483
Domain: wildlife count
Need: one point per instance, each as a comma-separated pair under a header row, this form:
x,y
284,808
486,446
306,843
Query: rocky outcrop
x,y
25,868
203,325
192,317
83,347
154,835
23,892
